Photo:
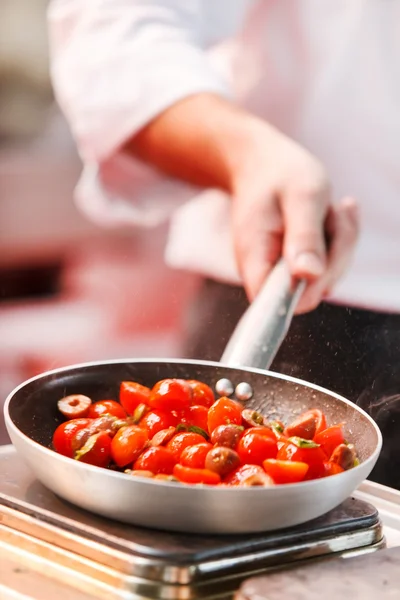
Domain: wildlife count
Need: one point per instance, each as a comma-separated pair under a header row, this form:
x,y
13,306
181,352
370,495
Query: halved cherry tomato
x,y
196,415
307,425
202,394
106,407
157,460
131,394
64,434
254,448
181,441
127,444
156,420
195,456
300,450
96,451
171,394
189,475
75,406
224,411
330,438
332,468
248,475
285,471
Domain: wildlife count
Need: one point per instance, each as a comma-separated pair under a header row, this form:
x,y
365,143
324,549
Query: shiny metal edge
x,y
15,524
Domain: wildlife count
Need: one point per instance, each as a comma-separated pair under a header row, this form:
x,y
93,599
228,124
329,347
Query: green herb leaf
x,y
90,444
195,429
182,427
302,443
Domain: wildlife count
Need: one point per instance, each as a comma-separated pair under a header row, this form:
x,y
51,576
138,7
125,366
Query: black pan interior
x,y
33,408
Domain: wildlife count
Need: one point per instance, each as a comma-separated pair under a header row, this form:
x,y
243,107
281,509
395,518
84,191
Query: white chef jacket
x,y
326,72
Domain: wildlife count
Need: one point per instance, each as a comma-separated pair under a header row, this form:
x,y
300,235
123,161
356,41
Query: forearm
x,y
202,139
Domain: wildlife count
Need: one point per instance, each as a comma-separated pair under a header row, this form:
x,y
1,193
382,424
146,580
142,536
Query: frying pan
x,y
31,417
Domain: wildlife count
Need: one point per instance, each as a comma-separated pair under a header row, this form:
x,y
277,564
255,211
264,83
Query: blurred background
x,y
69,292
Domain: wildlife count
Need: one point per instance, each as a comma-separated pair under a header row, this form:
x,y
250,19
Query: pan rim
x,y
189,488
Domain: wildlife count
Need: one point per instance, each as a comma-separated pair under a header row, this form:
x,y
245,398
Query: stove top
x,y
153,564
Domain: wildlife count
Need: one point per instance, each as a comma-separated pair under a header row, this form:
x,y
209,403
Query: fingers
x,y
258,234
341,227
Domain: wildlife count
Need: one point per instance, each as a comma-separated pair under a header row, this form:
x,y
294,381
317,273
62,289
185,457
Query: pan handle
x,y
263,327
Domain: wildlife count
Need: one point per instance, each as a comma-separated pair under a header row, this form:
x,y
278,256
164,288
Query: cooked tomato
x,y
75,406
64,434
285,471
189,475
156,420
106,407
131,394
254,448
96,451
263,431
171,394
307,425
202,394
157,460
330,438
247,474
332,468
196,415
181,441
224,412
195,456
127,444
300,450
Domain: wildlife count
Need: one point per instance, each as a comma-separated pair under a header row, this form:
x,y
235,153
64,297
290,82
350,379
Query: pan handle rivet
x,y
244,391
224,387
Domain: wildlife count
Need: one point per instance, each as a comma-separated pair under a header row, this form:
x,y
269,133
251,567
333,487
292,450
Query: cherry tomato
x,y
285,471
157,460
248,475
75,406
306,451
181,441
131,394
156,420
263,431
224,412
202,394
330,438
332,468
127,444
106,407
254,448
189,475
195,456
171,394
196,415
96,451
307,425
64,434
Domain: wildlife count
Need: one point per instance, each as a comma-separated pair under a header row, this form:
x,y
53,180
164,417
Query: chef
x,y
258,129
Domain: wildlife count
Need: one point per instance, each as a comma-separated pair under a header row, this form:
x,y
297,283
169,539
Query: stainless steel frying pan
x,y
31,417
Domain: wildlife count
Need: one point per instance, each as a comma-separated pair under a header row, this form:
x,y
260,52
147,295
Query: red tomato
x,y
156,420
202,394
224,412
195,456
181,441
253,448
96,451
106,407
285,471
307,425
171,394
306,451
263,431
131,394
157,460
243,473
196,415
330,438
189,475
332,468
127,444
64,434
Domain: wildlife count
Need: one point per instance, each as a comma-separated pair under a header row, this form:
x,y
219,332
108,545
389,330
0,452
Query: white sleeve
x,y
116,64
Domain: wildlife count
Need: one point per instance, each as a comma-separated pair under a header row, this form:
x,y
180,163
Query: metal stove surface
x,y
114,560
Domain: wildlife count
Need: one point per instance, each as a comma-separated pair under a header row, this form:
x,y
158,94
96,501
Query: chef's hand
x,y
280,192
282,206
